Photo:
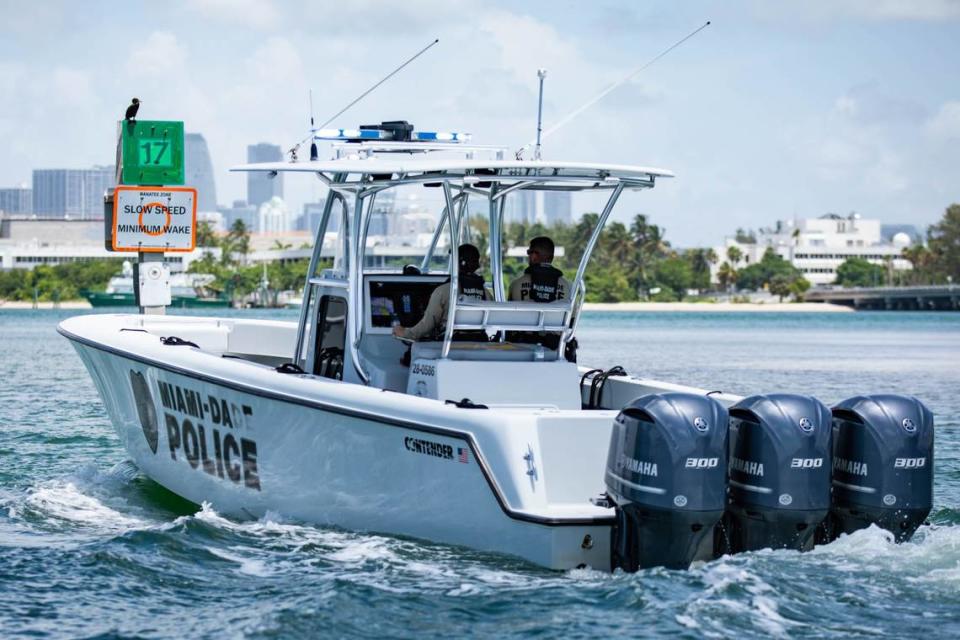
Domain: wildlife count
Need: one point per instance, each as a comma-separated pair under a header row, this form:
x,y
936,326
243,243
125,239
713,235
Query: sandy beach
x,y
67,304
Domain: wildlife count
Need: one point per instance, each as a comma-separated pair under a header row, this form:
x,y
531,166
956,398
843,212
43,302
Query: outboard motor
x,y
882,465
779,473
666,475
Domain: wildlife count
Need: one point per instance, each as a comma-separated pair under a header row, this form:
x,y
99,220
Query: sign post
x,y
144,213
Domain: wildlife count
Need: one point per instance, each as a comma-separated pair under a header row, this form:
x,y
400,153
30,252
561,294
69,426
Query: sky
x,y
777,110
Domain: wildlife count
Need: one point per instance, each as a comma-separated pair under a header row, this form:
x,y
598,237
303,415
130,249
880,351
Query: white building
x,y
817,246
273,217
28,242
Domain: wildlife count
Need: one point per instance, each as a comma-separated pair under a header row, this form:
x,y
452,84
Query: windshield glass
x,y
401,225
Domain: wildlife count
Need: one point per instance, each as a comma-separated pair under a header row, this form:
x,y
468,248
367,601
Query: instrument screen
x,y
404,300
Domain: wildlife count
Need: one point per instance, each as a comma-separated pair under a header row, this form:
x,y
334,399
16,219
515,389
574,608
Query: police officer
x,y
541,281
471,287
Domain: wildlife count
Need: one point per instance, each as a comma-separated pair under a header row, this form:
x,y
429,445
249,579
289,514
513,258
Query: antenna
x,y
541,73
314,154
576,112
313,144
387,77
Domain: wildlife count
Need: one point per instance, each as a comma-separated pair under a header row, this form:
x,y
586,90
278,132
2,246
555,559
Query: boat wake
x,y
110,515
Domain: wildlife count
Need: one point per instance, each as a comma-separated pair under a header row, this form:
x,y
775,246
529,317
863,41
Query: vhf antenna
x,y
293,151
387,77
576,112
541,73
314,154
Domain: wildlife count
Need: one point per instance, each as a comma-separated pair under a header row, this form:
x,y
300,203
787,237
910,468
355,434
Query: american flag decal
x,y
462,452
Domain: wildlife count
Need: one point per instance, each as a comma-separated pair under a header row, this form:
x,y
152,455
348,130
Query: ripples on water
x,y
89,547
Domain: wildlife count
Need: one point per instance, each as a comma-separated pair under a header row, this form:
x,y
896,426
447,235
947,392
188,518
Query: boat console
x,y
454,370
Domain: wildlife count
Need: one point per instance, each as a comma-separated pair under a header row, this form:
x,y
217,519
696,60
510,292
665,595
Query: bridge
x,y
918,298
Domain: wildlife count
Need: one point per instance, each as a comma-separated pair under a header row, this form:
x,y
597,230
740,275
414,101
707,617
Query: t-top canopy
x,y
401,169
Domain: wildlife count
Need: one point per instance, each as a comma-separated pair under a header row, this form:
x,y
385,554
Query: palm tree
x,y
581,235
734,255
726,276
650,249
920,258
618,245
700,264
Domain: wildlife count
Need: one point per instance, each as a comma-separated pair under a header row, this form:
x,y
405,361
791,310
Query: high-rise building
x,y
557,207
240,211
521,207
260,187
74,193
198,171
312,216
16,199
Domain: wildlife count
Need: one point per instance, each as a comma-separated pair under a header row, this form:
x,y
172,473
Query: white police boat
x,y
502,444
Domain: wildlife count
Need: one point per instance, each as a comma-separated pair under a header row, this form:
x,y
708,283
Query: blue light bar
x,y
360,135
440,136
351,134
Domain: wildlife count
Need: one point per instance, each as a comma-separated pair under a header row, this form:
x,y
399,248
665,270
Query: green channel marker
x,y
152,152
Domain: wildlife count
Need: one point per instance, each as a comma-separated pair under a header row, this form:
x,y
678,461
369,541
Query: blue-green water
x,y
88,548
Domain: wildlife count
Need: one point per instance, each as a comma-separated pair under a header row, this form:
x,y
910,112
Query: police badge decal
x,y
145,409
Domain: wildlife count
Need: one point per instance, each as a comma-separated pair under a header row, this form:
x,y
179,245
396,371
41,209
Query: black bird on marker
x,y
132,110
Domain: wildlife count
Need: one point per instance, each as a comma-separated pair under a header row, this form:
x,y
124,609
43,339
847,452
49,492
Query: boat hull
x,y
247,451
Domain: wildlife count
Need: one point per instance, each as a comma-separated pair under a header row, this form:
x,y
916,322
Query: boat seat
x,y
491,316
486,351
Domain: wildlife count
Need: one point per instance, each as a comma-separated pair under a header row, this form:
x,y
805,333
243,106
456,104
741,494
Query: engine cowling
x,y
666,474
780,446
882,465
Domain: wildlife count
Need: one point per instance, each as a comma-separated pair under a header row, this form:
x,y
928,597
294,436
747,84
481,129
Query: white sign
x,y
154,219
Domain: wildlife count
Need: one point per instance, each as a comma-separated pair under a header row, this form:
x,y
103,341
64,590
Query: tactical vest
x,y
544,282
471,286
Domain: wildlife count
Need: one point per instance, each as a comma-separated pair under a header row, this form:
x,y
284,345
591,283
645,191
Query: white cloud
x,y
277,61
161,53
932,10
846,106
256,14
814,11
946,124
73,87
524,44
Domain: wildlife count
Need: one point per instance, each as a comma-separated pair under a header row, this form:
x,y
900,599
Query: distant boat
x,y
187,290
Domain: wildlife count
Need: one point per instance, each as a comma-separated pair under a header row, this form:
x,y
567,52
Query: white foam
x,y
723,576
932,556
63,500
364,550
248,566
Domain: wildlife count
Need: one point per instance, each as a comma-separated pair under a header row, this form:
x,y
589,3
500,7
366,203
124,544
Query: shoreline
x,y
65,304
719,307
620,307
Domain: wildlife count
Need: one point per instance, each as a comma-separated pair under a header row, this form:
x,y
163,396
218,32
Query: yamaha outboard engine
x,y
666,475
882,465
779,473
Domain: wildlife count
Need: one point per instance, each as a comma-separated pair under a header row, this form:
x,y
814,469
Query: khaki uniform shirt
x,y
435,315
520,288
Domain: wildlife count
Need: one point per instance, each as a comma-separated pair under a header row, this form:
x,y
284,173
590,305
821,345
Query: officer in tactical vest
x,y
541,281
471,286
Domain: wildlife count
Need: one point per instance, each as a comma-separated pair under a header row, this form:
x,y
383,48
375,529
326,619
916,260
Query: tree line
x,y
635,262
631,261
